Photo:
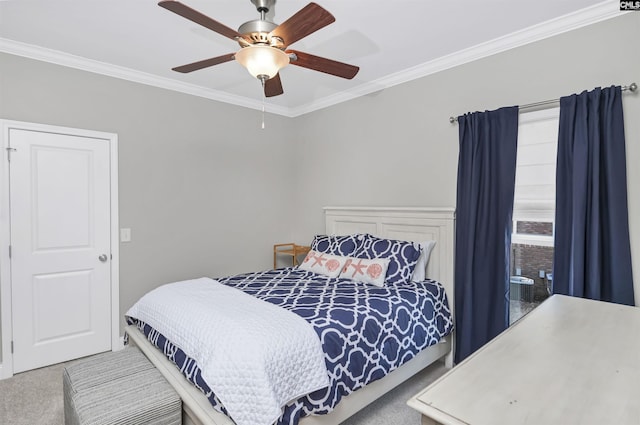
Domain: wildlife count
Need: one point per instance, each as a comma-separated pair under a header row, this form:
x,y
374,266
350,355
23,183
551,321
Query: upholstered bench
x,y
120,387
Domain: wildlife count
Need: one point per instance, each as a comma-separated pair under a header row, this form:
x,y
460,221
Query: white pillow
x,y
363,270
419,273
323,263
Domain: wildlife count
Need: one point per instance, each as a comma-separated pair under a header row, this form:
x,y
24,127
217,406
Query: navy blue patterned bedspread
x,y
366,331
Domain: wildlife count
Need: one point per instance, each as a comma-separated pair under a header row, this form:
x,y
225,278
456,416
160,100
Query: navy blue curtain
x,y
592,255
486,181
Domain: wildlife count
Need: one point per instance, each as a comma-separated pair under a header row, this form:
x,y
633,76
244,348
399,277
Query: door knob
x,y
103,258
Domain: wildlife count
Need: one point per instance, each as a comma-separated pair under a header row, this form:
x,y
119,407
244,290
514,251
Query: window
x,y
533,211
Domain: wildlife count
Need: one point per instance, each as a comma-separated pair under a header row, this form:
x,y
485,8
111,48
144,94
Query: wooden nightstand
x,y
290,249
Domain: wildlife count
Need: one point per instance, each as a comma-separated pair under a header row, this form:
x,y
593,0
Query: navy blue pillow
x,y
337,245
403,256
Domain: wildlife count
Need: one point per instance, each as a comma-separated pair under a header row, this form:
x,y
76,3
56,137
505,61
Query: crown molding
x,y
591,15
72,61
599,12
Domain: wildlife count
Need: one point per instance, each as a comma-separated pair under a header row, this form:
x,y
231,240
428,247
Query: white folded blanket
x,y
255,356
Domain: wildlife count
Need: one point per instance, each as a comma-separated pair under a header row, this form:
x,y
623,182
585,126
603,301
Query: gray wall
x,y
397,147
205,191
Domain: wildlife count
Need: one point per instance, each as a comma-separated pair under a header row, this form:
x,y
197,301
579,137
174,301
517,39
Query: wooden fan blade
x,y
197,17
306,21
204,63
325,65
273,86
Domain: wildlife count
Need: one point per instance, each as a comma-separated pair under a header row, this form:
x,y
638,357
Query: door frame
x,y
6,330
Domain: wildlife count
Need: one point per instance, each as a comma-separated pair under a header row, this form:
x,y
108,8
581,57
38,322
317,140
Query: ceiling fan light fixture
x,y
263,43
262,60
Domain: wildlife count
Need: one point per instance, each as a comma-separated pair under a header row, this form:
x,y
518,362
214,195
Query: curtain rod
x,y
631,87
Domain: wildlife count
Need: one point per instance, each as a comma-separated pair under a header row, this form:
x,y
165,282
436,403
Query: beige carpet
x,y
32,398
35,398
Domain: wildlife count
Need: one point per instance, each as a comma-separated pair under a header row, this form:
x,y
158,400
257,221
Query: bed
x,y
407,224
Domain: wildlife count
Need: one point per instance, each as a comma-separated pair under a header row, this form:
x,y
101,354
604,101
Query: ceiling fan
x,y
264,44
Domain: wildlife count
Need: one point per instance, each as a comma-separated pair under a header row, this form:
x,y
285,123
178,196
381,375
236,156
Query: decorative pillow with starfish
x,y
364,270
402,255
323,263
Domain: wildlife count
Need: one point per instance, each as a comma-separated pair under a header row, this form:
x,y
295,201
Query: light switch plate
x,y
125,235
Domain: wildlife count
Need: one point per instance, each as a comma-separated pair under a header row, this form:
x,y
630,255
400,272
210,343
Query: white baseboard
x,y
120,346
5,372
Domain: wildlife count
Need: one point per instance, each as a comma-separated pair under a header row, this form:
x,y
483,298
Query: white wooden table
x,y
570,361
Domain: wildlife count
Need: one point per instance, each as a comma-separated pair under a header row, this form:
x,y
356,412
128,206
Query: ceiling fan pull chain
x,y
264,98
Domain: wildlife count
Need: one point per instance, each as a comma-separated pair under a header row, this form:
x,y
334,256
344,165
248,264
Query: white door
x,y
59,190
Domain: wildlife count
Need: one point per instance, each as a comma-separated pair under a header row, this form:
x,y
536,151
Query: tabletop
x,y
570,361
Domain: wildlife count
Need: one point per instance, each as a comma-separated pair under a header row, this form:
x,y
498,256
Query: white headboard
x,y
409,224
